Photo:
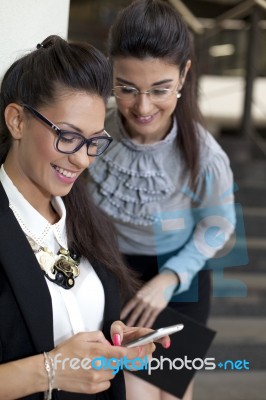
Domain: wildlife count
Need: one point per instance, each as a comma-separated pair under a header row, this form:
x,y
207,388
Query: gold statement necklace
x,y
61,268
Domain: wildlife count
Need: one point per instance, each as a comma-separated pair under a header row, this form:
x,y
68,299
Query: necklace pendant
x,y
66,270
61,269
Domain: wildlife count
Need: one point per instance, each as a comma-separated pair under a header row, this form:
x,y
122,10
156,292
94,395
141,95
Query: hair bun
x,y
48,42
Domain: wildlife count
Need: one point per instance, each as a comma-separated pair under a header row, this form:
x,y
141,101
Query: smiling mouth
x,y
145,119
65,172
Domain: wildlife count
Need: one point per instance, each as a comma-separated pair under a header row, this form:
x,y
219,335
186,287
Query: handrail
x,y
239,11
261,3
192,21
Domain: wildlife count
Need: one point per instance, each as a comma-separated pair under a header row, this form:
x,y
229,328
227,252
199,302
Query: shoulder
x,y
210,151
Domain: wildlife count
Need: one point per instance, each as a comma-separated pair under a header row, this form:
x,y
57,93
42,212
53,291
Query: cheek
x,y
122,107
43,146
169,107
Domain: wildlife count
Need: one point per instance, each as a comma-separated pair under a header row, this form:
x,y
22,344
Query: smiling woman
x,y
58,255
50,159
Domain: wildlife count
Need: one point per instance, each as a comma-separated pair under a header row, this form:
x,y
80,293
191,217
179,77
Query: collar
x,y
31,221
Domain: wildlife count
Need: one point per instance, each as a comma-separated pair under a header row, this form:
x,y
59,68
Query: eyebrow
x,y
70,125
78,129
124,81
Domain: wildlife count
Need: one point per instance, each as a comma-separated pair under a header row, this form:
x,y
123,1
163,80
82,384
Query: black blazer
x,y
26,322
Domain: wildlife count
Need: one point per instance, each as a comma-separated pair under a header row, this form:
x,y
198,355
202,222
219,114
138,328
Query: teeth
x,y
145,118
68,174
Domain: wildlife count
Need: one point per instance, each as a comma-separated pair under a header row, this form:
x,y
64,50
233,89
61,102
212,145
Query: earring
x,y
178,95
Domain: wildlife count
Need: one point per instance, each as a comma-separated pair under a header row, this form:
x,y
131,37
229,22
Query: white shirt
x,y
74,310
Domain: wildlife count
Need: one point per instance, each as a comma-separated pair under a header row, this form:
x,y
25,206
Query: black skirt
x,y
195,302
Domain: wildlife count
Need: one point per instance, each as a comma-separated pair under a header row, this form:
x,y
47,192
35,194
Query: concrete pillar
x,y
247,127
24,23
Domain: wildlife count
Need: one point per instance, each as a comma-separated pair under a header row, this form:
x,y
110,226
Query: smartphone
x,y
157,334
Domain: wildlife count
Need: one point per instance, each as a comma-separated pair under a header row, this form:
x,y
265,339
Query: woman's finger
x,y
117,332
148,317
95,336
136,314
128,308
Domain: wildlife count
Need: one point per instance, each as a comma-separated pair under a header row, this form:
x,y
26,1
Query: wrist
x,y
23,377
33,373
173,276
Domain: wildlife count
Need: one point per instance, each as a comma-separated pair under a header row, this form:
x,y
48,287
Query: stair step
x,y
254,283
230,385
248,197
239,338
239,330
255,212
255,221
253,261
249,173
253,303
252,353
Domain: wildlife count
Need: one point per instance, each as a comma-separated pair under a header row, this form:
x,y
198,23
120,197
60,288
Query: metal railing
x,y
247,8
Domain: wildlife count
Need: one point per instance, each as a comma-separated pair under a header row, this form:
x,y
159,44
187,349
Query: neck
x,y
53,217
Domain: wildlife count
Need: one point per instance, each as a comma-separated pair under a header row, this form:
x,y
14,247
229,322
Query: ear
x,y
14,119
184,74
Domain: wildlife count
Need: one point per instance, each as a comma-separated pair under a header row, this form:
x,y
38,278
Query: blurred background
x,y
230,44
222,31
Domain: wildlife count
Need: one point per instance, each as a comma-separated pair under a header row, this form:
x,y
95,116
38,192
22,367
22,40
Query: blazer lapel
x,y
26,278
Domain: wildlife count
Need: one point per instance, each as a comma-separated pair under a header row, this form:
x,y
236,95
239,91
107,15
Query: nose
x,y
80,158
143,103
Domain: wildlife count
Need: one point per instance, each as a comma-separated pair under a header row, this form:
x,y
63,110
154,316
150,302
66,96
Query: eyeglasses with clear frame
x,y
156,95
68,142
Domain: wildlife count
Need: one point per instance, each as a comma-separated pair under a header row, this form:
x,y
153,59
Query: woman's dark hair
x,y
153,28
36,79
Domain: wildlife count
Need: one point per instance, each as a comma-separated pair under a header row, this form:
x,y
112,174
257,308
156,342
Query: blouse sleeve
x,y
213,221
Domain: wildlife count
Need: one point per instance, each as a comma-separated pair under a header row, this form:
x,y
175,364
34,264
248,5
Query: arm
x,y
27,376
214,222
23,377
215,210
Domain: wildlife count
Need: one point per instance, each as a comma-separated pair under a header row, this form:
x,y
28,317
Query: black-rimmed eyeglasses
x,y
70,142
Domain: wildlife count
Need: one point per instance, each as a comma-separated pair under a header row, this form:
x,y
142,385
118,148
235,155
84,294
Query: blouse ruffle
x,y
130,176
133,183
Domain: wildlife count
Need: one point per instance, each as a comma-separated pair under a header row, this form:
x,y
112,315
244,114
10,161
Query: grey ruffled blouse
x,y
145,189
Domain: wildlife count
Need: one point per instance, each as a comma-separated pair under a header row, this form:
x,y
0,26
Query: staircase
x,y
240,322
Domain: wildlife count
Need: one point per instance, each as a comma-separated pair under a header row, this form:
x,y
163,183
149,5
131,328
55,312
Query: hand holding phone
x,y
157,334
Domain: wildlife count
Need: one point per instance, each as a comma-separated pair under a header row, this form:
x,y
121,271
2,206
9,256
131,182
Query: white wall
x,y
24,23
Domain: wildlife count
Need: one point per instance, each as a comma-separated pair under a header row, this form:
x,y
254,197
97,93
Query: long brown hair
x,y
153,28
35,79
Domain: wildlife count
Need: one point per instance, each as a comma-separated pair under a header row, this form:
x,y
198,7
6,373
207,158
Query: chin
x,y
62,192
